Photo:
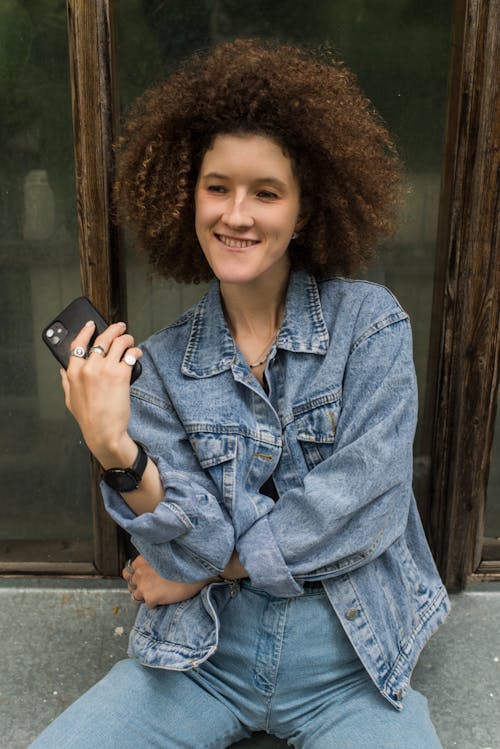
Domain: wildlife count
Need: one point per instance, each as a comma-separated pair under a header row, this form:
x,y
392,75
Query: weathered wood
x,y
95,113
61,569
491,551
489,568
95,124
466,296
485,577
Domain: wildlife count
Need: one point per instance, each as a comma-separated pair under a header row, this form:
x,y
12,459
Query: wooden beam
x,y
466,295
61,569
95,117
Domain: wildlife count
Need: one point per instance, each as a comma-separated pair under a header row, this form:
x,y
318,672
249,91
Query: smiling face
x,y
247,204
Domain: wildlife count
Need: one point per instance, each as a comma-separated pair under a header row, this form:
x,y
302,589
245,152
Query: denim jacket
x,y
335,431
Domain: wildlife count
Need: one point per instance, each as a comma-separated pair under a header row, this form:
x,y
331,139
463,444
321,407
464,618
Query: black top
x,y
269,489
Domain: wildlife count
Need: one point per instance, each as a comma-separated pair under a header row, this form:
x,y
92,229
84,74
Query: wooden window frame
x,y
95,124
464,348
465,341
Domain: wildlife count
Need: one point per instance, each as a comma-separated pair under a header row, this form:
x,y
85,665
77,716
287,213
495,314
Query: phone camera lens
x,y
49,333
55,339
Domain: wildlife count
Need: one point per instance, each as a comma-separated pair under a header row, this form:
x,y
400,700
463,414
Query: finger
x,y
65,387
141,567
128,570
119,346
81,340
106,338
64,381
130,356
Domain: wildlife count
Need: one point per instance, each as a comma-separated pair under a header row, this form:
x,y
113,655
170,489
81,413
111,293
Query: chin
x,y
236,278
235,274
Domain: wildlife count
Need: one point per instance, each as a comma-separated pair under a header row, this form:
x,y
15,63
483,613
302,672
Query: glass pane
x,y
400,51
44,502
492,519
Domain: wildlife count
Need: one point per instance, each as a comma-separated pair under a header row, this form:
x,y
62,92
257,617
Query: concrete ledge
x,y
57,637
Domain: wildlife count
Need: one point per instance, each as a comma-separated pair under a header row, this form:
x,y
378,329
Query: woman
x,y
263,460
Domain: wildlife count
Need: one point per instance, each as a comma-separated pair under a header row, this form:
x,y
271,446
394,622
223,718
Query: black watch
x,y
127,479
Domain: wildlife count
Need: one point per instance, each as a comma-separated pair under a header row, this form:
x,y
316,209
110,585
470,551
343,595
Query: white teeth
x,y
240,244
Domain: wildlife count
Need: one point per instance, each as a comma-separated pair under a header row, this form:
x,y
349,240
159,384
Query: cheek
x,y
286,225
203,221
205,215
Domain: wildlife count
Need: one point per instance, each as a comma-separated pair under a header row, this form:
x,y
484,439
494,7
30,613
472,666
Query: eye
x,y
267,195
218,189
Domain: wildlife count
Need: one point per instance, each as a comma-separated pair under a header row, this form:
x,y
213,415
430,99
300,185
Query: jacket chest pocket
x,y
315,426
216,454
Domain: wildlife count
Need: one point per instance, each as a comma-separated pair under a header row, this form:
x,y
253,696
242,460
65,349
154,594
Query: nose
x,y
237,214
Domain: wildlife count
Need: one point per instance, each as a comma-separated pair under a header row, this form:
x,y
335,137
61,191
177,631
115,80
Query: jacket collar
x,y
211,348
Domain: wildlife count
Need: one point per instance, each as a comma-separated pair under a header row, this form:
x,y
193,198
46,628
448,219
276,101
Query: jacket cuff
x,y
261,557
165,523
185,508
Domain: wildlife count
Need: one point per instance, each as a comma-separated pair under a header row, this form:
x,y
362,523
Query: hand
x,y
147,586
97,389
234,569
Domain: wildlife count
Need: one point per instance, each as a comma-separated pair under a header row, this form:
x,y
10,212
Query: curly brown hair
x,y
308,102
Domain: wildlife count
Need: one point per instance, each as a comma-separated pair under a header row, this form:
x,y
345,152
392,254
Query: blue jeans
x,y
284,665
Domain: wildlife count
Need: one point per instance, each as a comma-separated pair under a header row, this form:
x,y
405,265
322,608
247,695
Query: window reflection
x,y
44,501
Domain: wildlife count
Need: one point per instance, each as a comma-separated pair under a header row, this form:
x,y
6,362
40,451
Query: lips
x,y
236,244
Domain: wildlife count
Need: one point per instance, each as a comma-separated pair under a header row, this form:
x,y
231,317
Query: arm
x,y
188,536
354,504
147,585
174,517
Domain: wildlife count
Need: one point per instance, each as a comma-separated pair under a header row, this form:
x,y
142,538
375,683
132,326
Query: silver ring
x,y
78,351
131,586
129,359
97,350
135,599
129,568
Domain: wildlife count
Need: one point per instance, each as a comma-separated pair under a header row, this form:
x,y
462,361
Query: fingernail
x,y
89,323
123,324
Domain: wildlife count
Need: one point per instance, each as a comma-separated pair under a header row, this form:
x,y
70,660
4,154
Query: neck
x,y
255,309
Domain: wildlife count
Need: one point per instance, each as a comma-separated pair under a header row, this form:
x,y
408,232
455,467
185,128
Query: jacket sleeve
x,y
189,536
355,503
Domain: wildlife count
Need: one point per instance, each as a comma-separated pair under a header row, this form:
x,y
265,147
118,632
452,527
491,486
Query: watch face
x,y
121,479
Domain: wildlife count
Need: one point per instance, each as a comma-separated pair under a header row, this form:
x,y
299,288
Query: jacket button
x,y
351,614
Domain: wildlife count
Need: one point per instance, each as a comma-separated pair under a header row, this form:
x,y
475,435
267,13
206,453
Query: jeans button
x,y
351,614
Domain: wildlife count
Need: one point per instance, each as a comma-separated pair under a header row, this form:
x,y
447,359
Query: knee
x,y
129,675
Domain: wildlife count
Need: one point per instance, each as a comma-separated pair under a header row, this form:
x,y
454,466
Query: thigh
x,y
367,720
135,707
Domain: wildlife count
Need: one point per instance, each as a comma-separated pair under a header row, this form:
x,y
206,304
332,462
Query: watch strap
x,y
141,461
127,479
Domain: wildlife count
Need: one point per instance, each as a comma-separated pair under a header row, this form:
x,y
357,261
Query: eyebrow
x,y
261,180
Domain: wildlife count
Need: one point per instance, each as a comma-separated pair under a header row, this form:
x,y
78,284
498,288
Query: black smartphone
x,y
59,333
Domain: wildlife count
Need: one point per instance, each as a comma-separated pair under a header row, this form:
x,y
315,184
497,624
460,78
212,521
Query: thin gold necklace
x,y
265,352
